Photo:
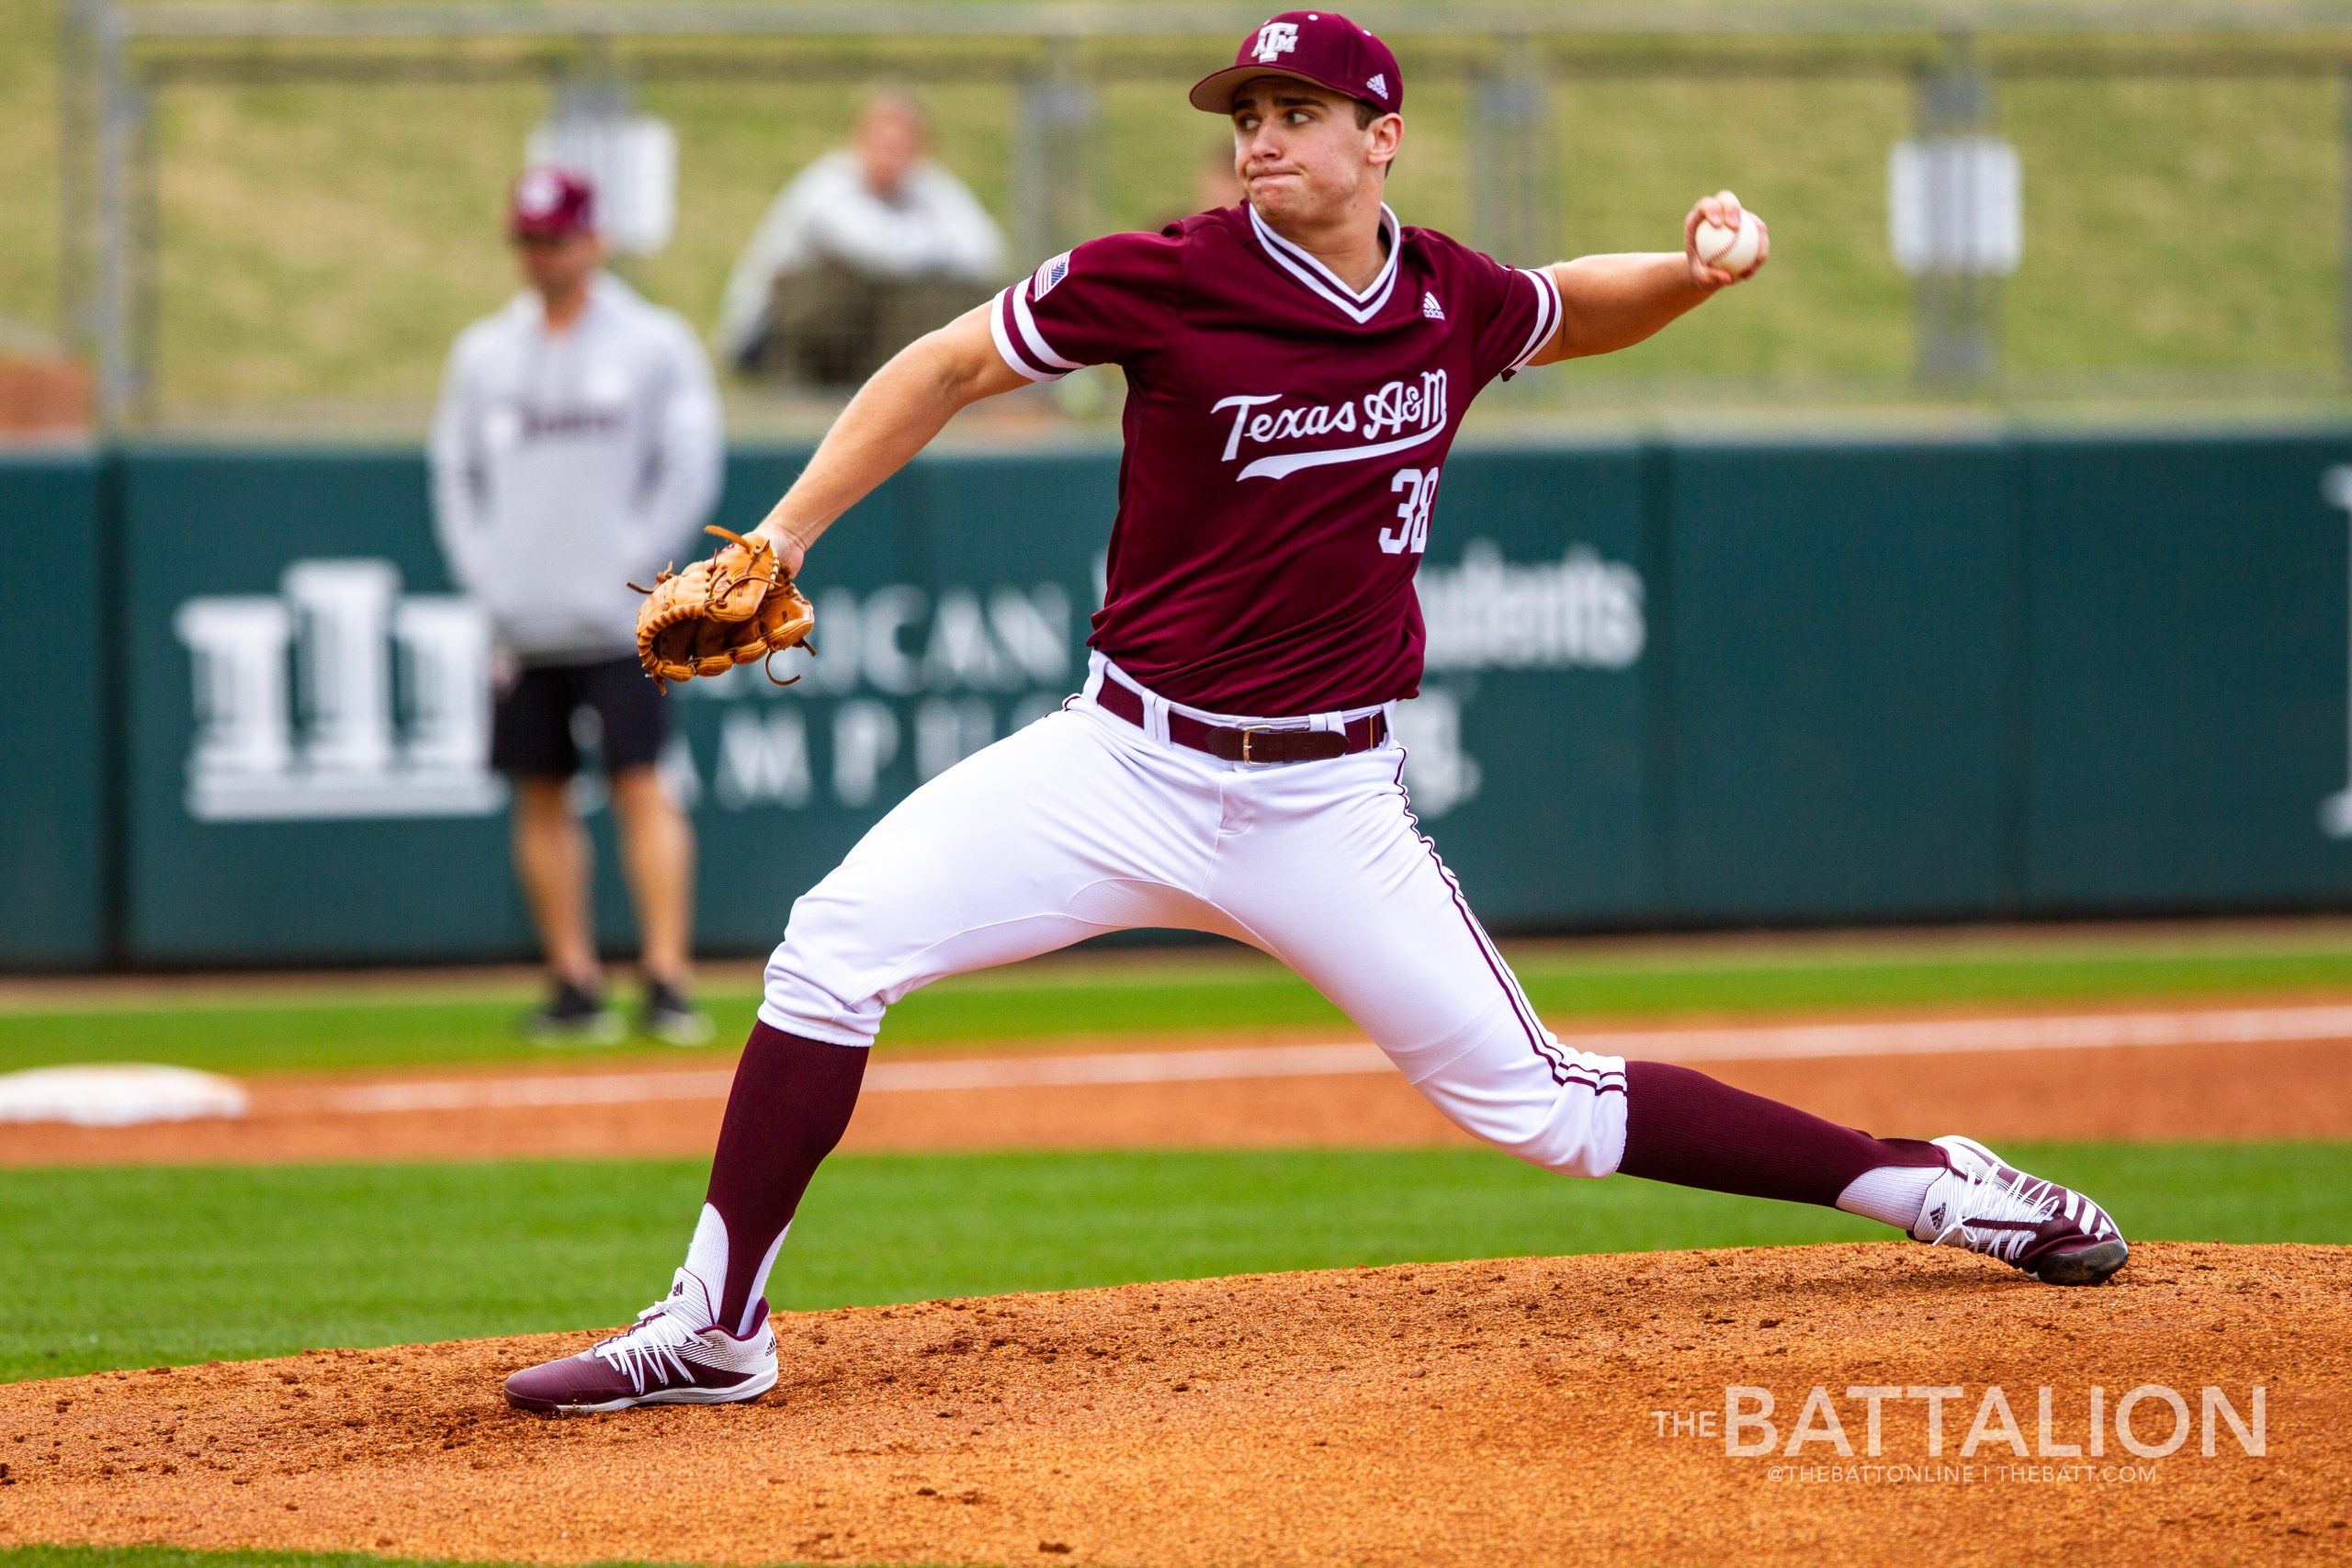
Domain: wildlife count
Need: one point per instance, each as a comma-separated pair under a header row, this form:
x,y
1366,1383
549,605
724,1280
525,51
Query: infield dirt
x,y
1471,1413
2272,1089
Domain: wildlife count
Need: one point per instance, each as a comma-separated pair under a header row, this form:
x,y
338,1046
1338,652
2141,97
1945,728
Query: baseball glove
x,y
731,609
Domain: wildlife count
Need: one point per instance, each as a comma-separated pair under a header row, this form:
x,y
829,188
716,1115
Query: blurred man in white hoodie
x,y
577,447
866,249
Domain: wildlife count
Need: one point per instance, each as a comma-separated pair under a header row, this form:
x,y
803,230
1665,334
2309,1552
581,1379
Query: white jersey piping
x,y
1031,355
1548,311
1358,306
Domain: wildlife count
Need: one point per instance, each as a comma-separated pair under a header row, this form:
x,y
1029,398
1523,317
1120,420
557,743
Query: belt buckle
x,y
1247,731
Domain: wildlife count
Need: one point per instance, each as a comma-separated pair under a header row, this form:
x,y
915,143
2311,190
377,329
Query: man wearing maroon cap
x,y
577,446
1296,368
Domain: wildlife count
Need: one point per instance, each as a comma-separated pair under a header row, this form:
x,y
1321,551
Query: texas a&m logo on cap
x,y
539,193
1321,47
1274,41
548,199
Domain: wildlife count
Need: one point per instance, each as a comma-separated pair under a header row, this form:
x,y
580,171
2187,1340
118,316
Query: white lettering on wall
x,y
386,713
866,742
1438,770
898,640
1580,611
2335,808
1576,612
762,760
948,730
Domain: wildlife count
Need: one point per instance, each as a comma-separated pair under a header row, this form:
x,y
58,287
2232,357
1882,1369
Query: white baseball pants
x,y
1083,823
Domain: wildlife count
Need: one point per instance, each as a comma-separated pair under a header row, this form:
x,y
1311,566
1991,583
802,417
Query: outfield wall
x,y
57,869
1668,685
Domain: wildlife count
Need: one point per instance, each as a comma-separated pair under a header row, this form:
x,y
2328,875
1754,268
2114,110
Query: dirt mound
x,y
1510,1411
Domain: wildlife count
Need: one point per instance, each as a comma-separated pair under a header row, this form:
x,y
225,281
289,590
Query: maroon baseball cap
x,y
1321,47
550,200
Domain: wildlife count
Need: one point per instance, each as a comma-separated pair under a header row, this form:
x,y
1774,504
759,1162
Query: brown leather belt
x,y
1249,742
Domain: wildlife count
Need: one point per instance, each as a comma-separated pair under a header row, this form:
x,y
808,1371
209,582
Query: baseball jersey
x,y
1285,439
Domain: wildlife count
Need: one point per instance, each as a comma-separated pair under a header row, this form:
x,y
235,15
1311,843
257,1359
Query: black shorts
x,y
535,722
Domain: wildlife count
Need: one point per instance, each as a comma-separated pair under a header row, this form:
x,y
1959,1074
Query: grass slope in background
x,y
324,241
131,1267
391,1024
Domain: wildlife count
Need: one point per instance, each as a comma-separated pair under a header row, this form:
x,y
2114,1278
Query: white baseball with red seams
x,y
1083,823
1734,250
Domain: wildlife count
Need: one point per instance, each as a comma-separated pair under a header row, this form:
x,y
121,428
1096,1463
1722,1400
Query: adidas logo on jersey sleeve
x,y
1042,283
1431,308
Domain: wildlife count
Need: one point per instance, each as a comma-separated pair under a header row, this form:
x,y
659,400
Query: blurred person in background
x,y
866,249
1216,182
577,446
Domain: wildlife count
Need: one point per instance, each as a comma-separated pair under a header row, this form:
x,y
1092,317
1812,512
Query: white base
x,y
120,1095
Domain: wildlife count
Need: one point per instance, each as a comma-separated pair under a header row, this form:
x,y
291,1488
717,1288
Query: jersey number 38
x,y
1412,534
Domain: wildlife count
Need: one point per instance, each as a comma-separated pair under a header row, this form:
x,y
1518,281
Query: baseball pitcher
x,y
1297,366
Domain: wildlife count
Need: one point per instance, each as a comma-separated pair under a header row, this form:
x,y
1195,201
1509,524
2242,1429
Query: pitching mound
x,y
1563,1410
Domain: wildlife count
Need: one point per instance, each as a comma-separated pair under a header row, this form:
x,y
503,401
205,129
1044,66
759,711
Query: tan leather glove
x,y
729,609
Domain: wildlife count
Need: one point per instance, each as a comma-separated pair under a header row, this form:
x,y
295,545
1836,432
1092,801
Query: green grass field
x,y
136,1266
419,1020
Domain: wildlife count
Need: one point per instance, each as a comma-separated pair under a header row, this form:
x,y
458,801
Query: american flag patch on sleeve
x,y
1054,269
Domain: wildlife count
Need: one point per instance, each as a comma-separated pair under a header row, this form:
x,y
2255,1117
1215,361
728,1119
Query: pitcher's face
x,y
1299,152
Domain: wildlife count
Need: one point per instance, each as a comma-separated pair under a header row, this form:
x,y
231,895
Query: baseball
x,y
1731,249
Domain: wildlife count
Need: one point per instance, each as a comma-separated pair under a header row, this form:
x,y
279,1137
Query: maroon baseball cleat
x,y
2051,1232
665,1360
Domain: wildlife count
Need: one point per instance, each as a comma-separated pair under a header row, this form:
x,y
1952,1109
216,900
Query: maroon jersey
x,y
1284,434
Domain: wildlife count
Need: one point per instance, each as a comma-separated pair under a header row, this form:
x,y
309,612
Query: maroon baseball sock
x,y
790,1100
1686,1128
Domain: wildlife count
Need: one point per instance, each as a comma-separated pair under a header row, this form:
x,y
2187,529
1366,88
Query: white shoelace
x,y
2026,1200
649,1348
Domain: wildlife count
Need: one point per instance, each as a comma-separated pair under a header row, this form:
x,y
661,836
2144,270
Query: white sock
x,y
706,1260
1891,1194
